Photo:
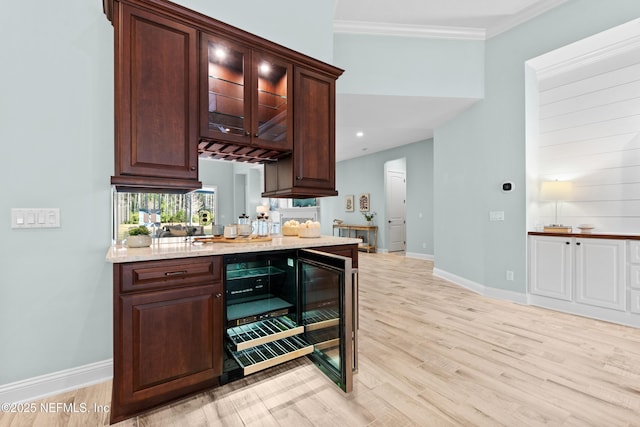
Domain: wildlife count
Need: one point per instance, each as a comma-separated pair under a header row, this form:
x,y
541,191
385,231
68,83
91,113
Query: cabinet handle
x,y
247,133
298,178
567,243
256,134
175,273
193,168
578,243
218,295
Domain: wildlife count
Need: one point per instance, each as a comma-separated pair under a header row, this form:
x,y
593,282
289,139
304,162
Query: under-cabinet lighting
x,y
360,134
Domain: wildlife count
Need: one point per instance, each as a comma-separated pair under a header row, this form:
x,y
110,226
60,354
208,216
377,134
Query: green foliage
x,y
134,217
369,215
136,231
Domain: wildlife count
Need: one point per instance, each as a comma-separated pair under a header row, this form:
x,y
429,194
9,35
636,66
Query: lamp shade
x,y
556,190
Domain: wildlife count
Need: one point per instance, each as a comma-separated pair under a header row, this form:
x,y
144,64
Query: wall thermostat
x,y
507,186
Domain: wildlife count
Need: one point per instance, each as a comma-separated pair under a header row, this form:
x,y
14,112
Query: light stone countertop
x,y
158,251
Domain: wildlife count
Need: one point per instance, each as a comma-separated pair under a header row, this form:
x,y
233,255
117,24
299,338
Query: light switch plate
x,y
35,217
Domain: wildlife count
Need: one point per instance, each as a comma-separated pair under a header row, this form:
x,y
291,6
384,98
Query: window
x,y
167,215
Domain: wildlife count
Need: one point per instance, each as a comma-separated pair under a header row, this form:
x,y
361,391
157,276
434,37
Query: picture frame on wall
x,y
364,202
348,203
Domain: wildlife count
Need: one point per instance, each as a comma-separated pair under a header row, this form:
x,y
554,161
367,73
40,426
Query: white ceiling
x,y
415,117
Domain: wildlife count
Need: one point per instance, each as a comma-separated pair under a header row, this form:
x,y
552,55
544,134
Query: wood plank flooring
x,y
431,354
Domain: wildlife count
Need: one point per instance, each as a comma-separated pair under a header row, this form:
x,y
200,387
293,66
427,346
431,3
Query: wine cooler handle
x,y
355,317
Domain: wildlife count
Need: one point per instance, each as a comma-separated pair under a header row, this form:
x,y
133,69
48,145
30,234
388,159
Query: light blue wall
x,y
56,114
403,66
304,26
366,175
485,145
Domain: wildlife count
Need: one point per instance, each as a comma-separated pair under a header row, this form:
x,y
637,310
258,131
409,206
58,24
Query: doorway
x,y
395,194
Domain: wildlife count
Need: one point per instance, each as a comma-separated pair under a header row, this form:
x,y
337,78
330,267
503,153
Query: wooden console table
x,y
370,244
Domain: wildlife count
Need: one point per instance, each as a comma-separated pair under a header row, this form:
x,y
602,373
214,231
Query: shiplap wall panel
x,y
589,85
622,64
599,129
610,95
589,133
628,141
584,165
599,114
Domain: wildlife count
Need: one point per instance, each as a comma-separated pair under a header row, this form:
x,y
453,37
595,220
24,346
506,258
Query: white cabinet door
x,y
600,272
551,266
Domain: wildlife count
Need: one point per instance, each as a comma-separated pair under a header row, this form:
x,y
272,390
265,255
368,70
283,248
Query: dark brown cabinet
x,y
156,102
310,170
167,331
246,102
187,85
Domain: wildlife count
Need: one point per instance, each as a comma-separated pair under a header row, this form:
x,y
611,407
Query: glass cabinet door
x,y
327,313
228,106
271,113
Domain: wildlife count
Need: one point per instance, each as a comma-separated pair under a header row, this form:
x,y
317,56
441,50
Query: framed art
x,y
348,203
363,202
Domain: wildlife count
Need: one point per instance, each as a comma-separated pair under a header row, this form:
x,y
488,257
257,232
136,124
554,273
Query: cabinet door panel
x,y
167,344
272,119
600,273
551,267
314,142
226,84
156,104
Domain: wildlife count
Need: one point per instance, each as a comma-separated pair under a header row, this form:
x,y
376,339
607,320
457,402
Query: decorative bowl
x,y
289,231
586,228
139,241
309,232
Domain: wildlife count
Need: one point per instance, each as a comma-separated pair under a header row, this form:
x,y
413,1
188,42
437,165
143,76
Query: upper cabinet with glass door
x,y
247,99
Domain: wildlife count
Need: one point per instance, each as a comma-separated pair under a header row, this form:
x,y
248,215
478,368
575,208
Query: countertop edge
x,y
159,251
587,235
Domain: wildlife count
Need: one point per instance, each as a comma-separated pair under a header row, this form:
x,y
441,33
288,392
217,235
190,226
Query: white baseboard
x,y
56,382
481,289
419,256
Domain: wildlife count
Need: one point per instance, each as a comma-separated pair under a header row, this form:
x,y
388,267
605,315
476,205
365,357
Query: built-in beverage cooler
x,y
287,304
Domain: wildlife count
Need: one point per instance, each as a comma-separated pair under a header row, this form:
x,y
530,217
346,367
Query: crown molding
x,y
420,31
445,32
512,21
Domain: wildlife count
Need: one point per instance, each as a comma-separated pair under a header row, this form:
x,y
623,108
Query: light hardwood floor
x,y
431,354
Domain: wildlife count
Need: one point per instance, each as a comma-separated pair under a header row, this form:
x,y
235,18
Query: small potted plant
x,y
139,237
369,216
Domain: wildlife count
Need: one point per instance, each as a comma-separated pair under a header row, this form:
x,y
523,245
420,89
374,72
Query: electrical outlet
x,y
510,275
496,216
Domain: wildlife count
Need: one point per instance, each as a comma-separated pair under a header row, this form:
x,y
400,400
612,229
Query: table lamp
x,y
556,191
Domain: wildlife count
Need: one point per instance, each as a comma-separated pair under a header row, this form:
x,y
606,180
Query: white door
x,y
395,193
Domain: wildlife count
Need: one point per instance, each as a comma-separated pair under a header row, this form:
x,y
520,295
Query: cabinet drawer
x,y
139,276
634,251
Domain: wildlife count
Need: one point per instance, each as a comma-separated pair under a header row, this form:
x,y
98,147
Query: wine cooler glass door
x,y
326,313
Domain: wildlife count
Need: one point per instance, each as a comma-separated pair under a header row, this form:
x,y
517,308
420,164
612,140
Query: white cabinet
x,y
586,271
634,276
600,272
551,267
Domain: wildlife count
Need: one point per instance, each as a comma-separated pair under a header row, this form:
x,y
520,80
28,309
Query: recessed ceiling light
x,y
360,134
